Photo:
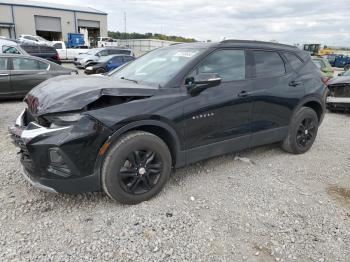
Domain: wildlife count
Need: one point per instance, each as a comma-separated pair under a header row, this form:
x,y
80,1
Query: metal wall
x,y
142,46
24,19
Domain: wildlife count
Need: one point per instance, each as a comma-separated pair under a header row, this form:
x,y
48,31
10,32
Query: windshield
x,y
158,67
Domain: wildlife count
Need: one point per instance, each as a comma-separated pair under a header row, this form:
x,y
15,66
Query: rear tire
x,y
302,131
136,168
347,67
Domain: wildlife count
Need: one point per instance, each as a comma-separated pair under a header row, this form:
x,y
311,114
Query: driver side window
x,y
228,64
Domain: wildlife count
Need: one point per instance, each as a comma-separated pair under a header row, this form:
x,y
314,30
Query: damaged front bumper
x,y
61,159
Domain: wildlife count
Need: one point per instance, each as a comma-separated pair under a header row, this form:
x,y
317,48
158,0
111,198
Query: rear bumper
x,y
338,103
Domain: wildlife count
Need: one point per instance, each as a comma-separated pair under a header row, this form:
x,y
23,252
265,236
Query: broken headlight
x,y
63,119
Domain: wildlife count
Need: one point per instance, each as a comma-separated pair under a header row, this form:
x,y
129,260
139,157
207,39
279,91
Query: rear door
x,y
5,85
27,73
276,92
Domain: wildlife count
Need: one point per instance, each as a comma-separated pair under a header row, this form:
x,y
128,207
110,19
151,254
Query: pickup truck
x,y
341,61
68,53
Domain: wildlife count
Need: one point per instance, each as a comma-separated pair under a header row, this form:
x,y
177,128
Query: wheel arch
x,y
316,104
158,128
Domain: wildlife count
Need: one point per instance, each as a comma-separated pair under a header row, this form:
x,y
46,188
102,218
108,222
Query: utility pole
x,y
125,25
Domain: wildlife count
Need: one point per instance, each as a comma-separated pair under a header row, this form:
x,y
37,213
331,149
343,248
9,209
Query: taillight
x,y
325,79
57,57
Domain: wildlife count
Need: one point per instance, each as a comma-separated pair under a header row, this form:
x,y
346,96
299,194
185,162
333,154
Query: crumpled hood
x,y
70,93
340,80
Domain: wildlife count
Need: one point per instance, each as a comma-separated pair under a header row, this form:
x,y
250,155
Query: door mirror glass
x,y
202,81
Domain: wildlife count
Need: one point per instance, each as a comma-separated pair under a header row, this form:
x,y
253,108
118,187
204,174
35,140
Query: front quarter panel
x,y
167,108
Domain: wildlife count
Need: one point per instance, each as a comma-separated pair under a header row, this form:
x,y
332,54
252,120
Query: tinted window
x,y
47,49
268,64
117,59
3,63
28,64
118,51
30,38
294,61
58,45
9,50
229,64
128,58
31,49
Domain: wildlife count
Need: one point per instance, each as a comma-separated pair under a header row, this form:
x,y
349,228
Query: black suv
x,y
43,51
124,132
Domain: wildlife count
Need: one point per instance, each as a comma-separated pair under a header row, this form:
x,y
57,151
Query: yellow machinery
x,y
315,49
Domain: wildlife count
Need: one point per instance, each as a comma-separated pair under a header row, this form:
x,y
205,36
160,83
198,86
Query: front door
x,y
5,85
218,119
27,73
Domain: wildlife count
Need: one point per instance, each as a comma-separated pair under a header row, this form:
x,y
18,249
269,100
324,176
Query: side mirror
x,y
200,82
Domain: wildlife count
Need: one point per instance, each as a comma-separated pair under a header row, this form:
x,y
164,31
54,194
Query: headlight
x,y
64,119
89,68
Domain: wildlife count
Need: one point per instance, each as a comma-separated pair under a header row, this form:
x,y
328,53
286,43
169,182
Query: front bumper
x,y
77,146
338,103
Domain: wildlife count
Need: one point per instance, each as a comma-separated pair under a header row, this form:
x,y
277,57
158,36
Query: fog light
x,y
55,156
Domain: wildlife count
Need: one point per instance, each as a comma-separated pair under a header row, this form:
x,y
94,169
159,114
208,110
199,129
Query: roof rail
x,y
255,42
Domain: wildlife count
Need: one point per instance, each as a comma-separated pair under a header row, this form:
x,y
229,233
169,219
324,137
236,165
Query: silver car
x,y
84,60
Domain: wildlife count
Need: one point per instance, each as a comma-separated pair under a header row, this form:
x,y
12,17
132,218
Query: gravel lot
x,y
266,205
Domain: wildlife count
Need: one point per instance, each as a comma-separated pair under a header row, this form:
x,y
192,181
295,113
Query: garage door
x,y
88,23
47,23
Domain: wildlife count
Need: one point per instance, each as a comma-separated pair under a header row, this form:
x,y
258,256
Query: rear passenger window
x,y
294,61
229,64
268,64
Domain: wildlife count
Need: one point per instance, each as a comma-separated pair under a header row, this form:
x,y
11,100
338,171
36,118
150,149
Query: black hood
x,y
70,93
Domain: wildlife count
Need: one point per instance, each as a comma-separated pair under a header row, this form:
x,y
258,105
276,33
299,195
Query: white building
x,y
51,21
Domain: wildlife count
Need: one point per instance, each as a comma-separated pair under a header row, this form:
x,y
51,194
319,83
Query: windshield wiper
x,y
132,80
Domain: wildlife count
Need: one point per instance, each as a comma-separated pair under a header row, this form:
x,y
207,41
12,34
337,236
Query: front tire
x,y
136,168
302,131
100,71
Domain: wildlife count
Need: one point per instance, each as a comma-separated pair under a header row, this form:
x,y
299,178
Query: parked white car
x,y
106,41
93,55
33,39
68,53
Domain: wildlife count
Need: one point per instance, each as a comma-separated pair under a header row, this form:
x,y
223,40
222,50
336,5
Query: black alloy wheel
x,y
136,167
140,172
302,131
306,132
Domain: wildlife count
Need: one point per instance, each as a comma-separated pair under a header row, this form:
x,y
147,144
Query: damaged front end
x,y
339,96
58,153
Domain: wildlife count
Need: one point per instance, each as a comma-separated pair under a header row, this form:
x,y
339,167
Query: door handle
x,y
243,94
295,83
4,74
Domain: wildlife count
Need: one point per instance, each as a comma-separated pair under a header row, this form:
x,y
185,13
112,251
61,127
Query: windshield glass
x,y
157,67
318,63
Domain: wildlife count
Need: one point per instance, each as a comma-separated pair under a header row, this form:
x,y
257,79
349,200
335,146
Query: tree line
x,y
122,35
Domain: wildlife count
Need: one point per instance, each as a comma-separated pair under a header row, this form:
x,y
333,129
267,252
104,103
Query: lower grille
x,y
340,90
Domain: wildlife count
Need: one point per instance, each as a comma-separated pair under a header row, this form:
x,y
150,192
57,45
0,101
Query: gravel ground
x,y
258,205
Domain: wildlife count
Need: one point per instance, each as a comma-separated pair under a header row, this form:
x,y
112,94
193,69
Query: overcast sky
x,y
290,21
